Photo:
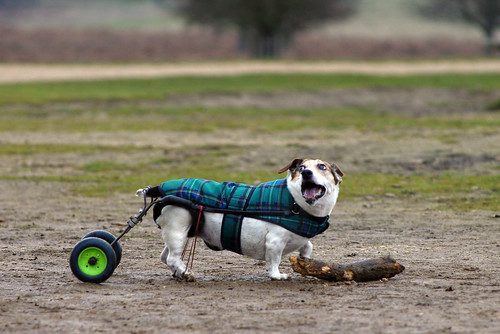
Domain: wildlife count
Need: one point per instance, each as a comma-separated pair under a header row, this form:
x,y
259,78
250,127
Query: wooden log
x,y
363,271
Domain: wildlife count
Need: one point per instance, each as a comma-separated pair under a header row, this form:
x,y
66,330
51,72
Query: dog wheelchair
x,y
95,257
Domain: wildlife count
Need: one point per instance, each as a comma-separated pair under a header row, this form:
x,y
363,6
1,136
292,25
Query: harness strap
x,y
190,259
187,204
238,215
297,210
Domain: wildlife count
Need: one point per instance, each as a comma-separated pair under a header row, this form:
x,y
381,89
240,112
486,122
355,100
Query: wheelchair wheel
x,y
92,260
105,235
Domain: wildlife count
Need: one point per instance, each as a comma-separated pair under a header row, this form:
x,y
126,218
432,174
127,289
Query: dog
x,y
309,193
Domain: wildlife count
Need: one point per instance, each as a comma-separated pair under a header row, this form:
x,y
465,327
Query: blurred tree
x,y
266,27
483,13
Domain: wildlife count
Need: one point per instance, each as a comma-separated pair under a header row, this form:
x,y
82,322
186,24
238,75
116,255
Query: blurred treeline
x,y
206,29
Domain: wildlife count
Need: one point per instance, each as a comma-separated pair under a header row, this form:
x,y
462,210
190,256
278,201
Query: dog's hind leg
x,y
175,223
164,254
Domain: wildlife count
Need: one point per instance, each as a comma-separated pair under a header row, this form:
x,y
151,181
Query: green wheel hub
x,y
92,261
109,238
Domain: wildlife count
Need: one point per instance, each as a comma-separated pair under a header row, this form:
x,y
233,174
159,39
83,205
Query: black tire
x,y
92,260
105,235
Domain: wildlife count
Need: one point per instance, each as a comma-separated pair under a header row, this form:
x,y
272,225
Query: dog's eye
x,y
322,166
301,169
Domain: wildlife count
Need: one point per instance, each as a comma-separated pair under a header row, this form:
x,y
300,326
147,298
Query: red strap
x,y
189,262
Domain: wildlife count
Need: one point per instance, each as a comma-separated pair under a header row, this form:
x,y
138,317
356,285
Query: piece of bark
x,y
369,270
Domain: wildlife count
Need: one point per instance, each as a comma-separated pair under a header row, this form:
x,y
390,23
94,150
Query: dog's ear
x,y
337,173
292,165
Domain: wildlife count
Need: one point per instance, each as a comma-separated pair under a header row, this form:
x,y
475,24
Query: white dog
x,y
306,197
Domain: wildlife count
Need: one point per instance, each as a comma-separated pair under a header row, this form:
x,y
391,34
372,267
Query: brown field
x,y
83,46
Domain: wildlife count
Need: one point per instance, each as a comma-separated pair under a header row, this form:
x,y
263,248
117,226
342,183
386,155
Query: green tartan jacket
x,y
269,196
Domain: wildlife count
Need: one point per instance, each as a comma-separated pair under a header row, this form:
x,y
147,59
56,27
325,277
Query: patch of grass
x,y
450,190
126,185
104,184
30,149
201,119
104,166
101,178
105,177
160,88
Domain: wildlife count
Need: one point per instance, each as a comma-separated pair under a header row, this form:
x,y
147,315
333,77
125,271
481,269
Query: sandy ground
x,y
451,283
33,72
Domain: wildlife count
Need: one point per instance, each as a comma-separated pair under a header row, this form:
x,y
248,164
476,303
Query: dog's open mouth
x,y
312,191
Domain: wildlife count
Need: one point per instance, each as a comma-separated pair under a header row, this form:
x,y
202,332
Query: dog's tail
x,y
148,192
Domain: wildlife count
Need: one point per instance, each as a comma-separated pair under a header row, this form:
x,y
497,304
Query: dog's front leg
x,y
306,250
274,250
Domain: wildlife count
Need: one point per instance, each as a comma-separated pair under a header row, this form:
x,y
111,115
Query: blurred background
x,y
171,30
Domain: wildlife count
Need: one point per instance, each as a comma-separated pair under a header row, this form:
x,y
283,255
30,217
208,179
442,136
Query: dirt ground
x,y
27,72
451,283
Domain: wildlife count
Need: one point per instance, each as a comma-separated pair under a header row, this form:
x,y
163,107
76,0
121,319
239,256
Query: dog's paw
x,y
184,277
189,277
279,277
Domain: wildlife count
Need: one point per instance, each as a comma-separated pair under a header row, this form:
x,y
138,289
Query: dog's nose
x,y
307,174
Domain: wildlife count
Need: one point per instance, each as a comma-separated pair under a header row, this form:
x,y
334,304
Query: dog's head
x,y
314,184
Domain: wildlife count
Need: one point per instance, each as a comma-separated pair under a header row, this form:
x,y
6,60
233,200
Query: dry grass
x,y
53,46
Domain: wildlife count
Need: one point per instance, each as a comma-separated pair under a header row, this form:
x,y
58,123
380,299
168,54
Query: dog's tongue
x,y
311,193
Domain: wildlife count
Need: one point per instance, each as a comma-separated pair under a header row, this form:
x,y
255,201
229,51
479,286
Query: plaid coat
x,y
269,196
